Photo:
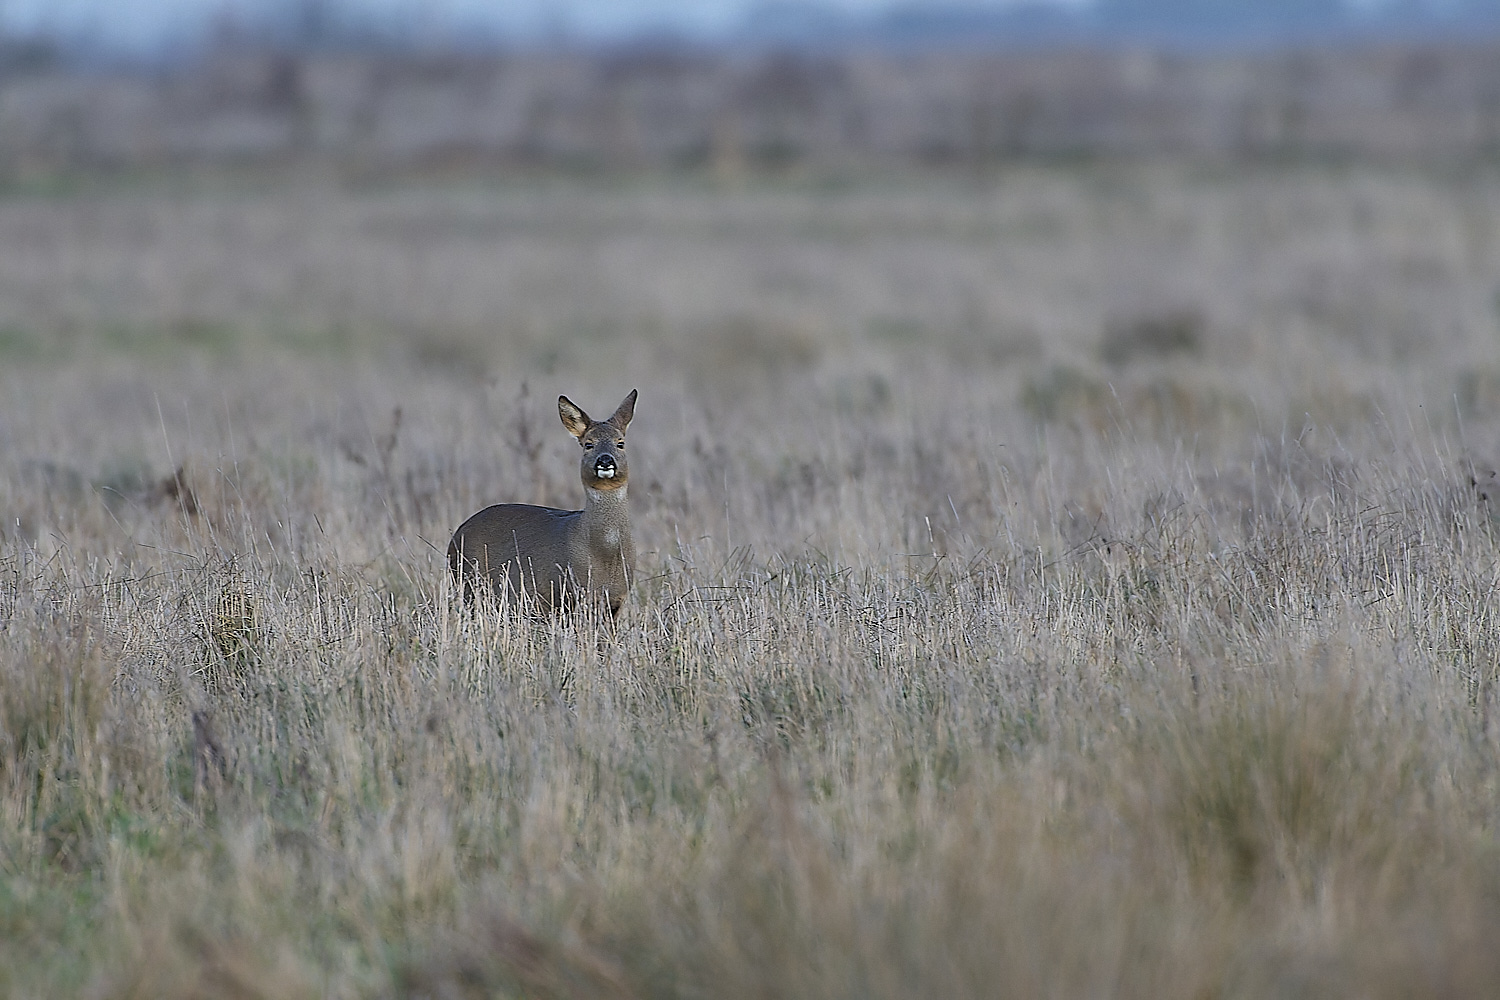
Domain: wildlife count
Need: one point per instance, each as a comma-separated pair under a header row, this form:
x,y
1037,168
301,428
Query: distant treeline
x,y
753,112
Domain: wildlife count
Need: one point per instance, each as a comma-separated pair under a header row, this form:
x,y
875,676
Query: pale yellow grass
x,y
1072,587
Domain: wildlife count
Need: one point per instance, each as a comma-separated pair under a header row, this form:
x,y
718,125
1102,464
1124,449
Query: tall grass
x,y
1049,675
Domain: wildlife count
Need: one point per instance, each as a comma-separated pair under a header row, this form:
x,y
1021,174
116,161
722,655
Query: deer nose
x,y
604,466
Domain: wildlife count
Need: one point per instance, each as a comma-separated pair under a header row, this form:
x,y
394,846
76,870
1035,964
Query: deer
x,y
546,559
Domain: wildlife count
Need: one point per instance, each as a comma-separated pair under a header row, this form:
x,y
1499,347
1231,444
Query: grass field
x,y
1078,583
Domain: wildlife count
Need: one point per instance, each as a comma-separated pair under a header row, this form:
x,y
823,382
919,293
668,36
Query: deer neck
x,y
606,518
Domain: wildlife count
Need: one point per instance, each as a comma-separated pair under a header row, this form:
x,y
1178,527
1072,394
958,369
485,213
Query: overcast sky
x,y
138,21
145,18
145,24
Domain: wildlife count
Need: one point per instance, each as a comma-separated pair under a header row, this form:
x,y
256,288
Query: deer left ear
x,y
621,416
573,417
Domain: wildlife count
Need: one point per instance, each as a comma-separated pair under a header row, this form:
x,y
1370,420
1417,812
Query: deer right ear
x,y
573,417
621,416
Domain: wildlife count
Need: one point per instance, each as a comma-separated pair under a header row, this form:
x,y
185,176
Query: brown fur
x,y
545,558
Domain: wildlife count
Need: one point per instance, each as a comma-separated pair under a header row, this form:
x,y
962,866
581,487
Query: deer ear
x,y
621,417
573,417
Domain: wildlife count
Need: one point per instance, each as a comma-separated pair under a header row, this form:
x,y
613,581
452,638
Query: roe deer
x,y
547,556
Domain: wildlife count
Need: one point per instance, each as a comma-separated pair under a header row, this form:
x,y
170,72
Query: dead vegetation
x,y
1041,673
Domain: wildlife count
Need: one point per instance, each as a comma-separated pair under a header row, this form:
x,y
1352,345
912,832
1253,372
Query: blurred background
x,y
1176,216
739,85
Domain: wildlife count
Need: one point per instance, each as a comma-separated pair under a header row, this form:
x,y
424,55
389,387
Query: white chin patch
x,y
605,473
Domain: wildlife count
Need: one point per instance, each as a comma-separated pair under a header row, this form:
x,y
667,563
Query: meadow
x,y
1066,582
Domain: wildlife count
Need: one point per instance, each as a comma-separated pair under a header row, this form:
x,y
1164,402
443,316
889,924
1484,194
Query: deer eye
x,y
620,444
589,446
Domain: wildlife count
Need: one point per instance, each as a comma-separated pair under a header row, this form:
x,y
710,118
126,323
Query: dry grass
x,y
983,645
